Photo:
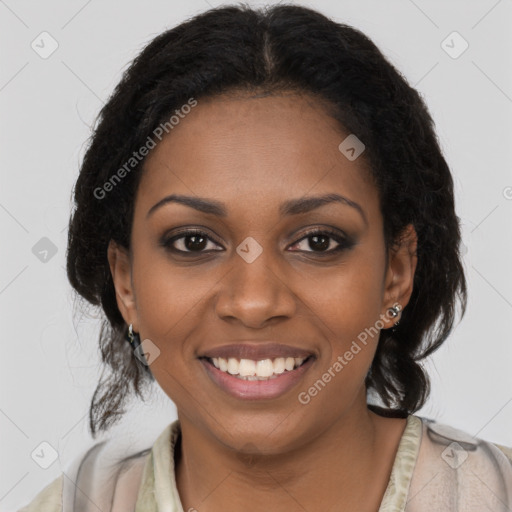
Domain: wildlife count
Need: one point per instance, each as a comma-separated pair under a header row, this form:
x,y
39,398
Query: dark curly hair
x,y
279,48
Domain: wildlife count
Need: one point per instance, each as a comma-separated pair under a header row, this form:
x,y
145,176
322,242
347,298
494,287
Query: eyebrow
x,y
290,207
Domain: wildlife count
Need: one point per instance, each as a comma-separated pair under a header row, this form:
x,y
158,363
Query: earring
x,y
394,310
133,338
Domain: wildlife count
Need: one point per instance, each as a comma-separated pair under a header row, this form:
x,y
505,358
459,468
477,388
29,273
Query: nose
x,y
255,293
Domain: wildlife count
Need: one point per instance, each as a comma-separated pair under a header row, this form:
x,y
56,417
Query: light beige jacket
x,y
436,468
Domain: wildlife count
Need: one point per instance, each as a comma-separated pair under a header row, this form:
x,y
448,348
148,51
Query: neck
x,y
348,464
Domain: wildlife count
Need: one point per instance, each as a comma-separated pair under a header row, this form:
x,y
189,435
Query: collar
x,y
158,491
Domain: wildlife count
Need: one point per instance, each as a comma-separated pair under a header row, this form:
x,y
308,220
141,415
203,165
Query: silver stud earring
x,y
394,310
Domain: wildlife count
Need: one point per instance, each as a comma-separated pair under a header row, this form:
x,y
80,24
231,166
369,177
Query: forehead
x,y
247,150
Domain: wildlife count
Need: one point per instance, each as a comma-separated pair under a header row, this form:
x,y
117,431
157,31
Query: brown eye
x,y
323,242
189,241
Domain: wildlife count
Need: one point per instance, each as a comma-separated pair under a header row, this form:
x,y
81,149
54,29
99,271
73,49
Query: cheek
x,y
172,310
350,297
171,301
349,304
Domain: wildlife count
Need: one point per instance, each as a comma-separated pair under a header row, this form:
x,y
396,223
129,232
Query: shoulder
x,y
506,450
106,474
454,465
48,500
439,436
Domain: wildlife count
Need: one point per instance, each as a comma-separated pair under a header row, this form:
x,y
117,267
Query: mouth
x,y
260,370
257,379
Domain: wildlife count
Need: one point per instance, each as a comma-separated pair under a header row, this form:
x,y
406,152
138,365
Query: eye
x,y
321,242
190,241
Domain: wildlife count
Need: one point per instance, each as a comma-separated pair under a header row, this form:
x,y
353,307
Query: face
x,y
252,267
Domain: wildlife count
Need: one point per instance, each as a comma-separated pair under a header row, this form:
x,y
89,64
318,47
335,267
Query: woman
x,y
265,215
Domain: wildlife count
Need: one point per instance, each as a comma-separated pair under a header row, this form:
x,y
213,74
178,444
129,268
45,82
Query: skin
x,y
252,153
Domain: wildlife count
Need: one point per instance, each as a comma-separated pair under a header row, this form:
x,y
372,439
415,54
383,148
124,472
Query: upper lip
x,y
256,351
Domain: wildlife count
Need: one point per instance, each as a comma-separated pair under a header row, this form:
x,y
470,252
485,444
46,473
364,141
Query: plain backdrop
x,y
50,363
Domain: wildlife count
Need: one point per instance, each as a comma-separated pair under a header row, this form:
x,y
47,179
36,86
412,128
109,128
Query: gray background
x,y
49,364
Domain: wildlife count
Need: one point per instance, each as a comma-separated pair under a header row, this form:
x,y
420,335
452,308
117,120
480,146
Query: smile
x,y
250,379
249,369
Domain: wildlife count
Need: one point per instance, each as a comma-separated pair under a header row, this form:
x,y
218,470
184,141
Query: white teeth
x,y
233,366
223,364
264,368
279,365
249,369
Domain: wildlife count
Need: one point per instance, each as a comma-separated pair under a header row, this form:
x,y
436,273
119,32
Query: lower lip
x,y
256,389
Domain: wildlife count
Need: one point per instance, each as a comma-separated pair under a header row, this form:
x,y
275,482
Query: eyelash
x,y
344,243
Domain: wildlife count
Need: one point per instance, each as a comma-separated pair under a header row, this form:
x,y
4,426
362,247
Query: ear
x,y
120,268
402,261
